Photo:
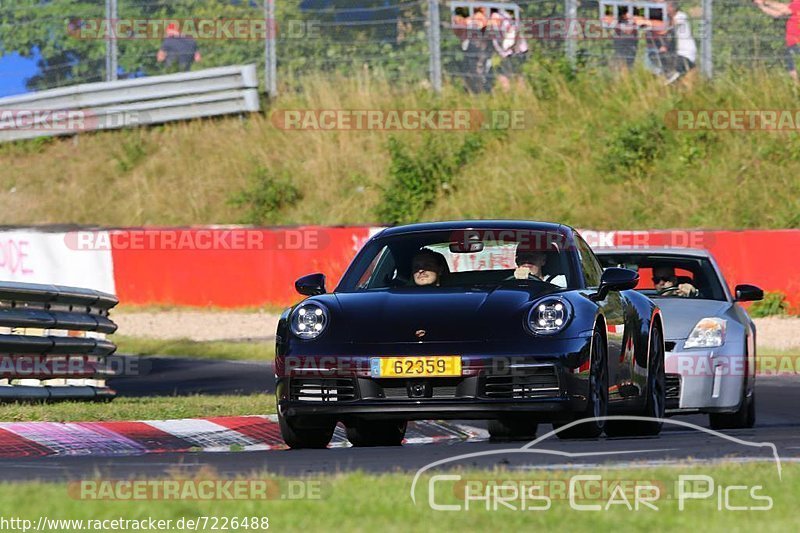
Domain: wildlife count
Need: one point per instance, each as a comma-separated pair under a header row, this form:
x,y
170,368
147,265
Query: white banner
x,y
38,257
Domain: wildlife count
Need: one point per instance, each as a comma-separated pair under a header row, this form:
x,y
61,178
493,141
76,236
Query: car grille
x,y
672,383
537,382
322,390
439,389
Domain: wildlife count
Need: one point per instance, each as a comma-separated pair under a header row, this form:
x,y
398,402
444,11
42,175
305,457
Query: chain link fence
x,y
411,42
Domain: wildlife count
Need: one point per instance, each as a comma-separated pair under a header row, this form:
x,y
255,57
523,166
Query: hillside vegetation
x,y
596,152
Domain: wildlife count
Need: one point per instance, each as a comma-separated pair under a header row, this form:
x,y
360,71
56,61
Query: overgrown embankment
x,y
596,152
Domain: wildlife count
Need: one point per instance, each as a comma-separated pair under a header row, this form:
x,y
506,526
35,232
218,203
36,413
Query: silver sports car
x,y
710,339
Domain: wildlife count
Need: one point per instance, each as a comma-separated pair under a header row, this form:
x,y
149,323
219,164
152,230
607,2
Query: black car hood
x,y
444,315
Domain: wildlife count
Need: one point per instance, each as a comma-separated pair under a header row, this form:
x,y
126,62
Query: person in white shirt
x,y
684,48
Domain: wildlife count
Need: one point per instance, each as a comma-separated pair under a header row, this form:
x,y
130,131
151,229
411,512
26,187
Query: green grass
x,y
596,153
361,502
239,351
154,408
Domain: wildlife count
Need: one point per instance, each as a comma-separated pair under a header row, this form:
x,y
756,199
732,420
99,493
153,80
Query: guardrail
x,y
128,103
52,342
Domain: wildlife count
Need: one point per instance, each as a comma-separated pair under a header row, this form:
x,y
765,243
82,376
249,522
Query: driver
x,y
530,265
665,280
428,267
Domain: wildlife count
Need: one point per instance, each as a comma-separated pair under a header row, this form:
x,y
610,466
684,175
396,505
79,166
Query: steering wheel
x,y
669,290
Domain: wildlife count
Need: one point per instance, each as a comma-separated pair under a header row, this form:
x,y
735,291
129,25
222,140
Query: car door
x,y
620,360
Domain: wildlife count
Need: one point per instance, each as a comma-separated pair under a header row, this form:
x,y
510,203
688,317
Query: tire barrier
x,y
53,342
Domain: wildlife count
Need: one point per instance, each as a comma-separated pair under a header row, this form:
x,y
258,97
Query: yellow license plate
x,y
413,367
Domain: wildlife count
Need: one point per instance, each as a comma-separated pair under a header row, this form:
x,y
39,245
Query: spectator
x,y
510,45
177,52
477,50
791,10
682,46
626,41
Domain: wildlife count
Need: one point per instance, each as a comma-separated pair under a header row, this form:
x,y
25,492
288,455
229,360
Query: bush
x,y
773,304
418,174
266,197
633,147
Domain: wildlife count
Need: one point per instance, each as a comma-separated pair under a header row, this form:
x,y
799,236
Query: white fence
x,y
126,103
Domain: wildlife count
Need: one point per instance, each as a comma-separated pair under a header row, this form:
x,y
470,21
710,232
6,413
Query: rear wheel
x,y
597,399
655,404
508,429
363,433
303,432
743,418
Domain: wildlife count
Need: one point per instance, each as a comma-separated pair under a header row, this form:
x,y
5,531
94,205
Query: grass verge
x,y
154,408
361,502
235,351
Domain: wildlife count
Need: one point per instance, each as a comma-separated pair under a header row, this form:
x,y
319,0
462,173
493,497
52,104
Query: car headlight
x,y
549,316
708,333
309,320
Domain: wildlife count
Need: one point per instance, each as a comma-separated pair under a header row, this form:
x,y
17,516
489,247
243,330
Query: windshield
x,y
465,258
658,273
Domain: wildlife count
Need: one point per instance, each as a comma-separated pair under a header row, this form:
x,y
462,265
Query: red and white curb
x,y
219,434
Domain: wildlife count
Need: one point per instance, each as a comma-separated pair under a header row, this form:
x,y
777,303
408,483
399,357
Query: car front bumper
x,y
706,380
548,387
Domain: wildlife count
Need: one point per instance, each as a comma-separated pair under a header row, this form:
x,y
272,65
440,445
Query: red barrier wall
x,y
243,267
236,267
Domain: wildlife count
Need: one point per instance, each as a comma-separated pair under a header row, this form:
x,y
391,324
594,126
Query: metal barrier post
x,y
707,64
435,44
571,16
111,41
270,56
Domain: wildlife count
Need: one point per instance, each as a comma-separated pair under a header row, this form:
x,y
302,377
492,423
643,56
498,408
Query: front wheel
x,y
362,433
656,401
742,418
304,432
597,398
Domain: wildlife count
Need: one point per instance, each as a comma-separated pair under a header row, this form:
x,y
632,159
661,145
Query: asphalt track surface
x,y
778,423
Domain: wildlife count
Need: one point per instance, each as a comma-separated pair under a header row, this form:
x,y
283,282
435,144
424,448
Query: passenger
x,y
665,281
428,268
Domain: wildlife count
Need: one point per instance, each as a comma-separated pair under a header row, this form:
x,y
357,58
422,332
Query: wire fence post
x,y
435,45
706,53
571,16
270,54
111,41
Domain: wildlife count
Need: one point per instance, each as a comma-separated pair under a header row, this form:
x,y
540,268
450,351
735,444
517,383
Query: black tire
x,y
362,433
597,399
305,433
656,401
742,418
510,429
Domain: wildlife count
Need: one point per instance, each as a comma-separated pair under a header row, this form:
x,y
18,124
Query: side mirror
x,y
615,279
311,285
748,293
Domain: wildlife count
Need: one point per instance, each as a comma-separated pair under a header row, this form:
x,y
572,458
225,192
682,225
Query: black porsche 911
x,y
514,322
